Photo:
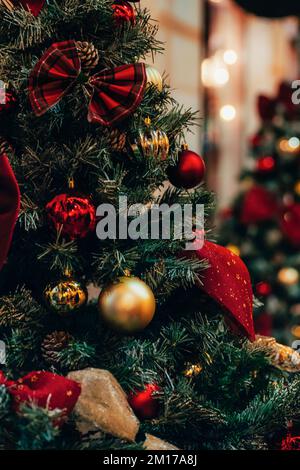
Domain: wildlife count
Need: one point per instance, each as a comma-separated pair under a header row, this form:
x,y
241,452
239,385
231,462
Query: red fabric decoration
x,y
290,224
9,205
115,94
45,389
144,403
34,6
259,205
227,281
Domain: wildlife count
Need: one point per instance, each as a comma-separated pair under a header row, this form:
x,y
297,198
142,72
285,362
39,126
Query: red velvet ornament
x,y
290,224
144,403
265,164
8,100
123,12
189,172
259,205
263,288
227,281
74,215
9,204
45,389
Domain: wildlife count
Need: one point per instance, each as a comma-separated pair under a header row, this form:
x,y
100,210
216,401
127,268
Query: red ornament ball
x,y
189,172
263,288
74,215
8,100
123,12
144,403
290,224
265,164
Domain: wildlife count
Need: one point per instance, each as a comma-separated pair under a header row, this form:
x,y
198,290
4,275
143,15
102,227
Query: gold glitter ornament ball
x,y
65,297
127,305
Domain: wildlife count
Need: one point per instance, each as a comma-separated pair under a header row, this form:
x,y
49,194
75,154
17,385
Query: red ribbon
x,y
45,389
115,93
9,206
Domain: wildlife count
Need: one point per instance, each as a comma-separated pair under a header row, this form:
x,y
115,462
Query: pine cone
x,y
116,138
88,54
53,344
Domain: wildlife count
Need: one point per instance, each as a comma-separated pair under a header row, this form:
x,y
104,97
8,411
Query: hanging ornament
x,y
153,142
154,77
127,305
290,224
190,170
228,282
263,288
65,297
288,276
8,100
123,12
265,164
73,214
259,205
145,403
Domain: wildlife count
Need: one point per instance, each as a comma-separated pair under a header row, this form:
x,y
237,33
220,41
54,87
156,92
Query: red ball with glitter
x,y
190,170
145,403
123,12
265,164
74,215
8,100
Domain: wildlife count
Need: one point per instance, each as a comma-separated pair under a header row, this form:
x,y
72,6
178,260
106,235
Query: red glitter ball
x,y
74,215
123,12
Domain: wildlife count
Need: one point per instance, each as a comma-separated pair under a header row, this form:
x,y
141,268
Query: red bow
x,y
45,389
227,281
9,204
115,93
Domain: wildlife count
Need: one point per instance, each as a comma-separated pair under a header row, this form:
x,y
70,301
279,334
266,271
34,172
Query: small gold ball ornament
x,y
127,305
154,77
192,370
65,297
153,142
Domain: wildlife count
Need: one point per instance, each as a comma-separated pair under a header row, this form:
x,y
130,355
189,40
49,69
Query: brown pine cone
x,y
53,344
116,138
88,54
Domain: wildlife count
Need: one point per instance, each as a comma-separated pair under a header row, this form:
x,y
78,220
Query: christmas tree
x,y
263,225
116,342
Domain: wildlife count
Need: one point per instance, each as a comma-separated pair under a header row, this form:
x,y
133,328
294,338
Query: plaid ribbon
x,y
115,93
9,204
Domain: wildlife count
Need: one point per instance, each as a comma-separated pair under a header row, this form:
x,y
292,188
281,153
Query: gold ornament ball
x,y
66,296
154,77
288,276
127,305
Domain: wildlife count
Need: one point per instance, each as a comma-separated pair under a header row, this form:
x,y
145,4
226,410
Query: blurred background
x,y
235,61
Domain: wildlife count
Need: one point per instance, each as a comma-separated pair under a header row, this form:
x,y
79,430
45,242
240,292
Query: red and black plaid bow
x,y
115,93
9,203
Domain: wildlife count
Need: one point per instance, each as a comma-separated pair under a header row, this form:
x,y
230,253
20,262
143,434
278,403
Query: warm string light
x,y
228,112
230,57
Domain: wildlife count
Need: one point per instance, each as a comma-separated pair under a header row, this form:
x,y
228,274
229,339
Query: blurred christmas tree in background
x,y
263,226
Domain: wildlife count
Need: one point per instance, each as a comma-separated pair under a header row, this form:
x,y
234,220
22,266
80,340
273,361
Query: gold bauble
x,y
127,305
154,77
66,296
163,144
153,142
288,276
